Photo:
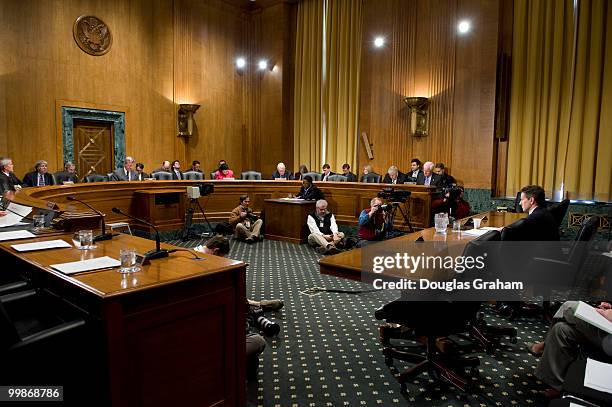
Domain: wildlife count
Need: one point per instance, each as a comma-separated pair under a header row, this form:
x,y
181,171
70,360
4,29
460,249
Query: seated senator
x,y
308,191
428,177
281,172
140,174
327,172
8,179
346,171
393,176
415,170
246,224
126,173
39,177
324,234
68,175
223,172
374,223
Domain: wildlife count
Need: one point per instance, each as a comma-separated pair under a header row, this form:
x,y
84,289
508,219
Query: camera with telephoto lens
x,y
256,319
252,217
385,207
394,195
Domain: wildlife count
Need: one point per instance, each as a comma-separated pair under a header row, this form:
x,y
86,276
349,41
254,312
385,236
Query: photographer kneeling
x,y
245,223
375,222
324,234
452,203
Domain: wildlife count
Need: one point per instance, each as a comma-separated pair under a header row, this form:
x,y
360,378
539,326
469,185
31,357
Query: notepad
x,y
589,314
86,265
14,235
597,376
49,244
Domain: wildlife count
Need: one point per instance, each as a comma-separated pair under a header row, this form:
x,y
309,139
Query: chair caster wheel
x,y
403,388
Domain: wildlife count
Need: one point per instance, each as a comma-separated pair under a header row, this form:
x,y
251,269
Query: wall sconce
x,y
185,119
418,115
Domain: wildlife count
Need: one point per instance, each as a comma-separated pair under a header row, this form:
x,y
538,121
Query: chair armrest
x,y
48,333
17,285
20,295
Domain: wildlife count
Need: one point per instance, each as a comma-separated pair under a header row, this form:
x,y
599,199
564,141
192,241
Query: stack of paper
x,y
17,234
598,376
589,314
14,214
49,244
87,265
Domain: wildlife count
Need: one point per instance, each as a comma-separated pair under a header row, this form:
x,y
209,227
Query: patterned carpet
x,y
328,352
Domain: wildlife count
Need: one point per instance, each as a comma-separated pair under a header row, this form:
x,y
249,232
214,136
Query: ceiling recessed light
x,y
379,42
240,62
263,64
463,26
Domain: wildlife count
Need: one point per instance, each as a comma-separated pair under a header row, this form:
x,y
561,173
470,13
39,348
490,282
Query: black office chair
x,y
371,178
162,176
558,211
337,178
251,175
193,176
315,176
96,178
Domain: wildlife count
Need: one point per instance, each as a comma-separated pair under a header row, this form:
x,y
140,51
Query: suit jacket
x,y
175,176
446,181
350,177
31,179
409,176
435,179
312,194
400,178
328,175
7,183
541,226
61,177
120,175
142,176
288,175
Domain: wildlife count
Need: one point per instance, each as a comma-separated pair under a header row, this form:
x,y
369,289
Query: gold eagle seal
x,y
92,35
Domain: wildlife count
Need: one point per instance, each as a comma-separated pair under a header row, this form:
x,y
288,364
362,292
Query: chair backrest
x,y
9,336
315,176
514,231
193,175
60,176
212,175
337,178
162,175
517,203
579,250
371,178
559,210
252,175
96,178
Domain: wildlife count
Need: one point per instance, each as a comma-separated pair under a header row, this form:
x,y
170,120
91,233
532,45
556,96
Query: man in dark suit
x,y
176,170
446,180
326,172
427,177
68,175
195,166
165,167
126,173
346,171
281,172
39,177
8,180
393,176
140,174
308,191
539,225
415,170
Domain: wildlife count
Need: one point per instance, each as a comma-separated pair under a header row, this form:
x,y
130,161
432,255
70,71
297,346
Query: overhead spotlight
x,y
379,42
463,26
262,64
240,62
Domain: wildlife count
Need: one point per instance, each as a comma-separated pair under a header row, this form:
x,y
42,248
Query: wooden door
x,y
93,147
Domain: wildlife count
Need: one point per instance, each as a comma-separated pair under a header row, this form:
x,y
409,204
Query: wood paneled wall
x,y
164,52
424,56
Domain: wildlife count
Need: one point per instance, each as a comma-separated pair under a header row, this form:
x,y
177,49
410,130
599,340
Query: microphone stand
x,y
156,253
103,235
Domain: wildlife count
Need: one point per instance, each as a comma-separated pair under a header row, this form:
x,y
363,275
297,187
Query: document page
x,y
17,234
589,314
87,265
598,376
14,214
49,244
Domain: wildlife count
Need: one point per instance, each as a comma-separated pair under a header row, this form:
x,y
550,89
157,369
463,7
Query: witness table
x,y
174,333
286,219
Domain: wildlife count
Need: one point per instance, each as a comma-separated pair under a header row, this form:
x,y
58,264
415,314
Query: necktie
x,y
129,175
427,179
41,180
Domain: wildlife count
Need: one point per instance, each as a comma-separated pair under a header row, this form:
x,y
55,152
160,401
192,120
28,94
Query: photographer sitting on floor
x,y
324,234
375,222
245,223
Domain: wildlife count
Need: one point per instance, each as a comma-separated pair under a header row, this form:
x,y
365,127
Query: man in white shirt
x,y
327,172
126,173
324,234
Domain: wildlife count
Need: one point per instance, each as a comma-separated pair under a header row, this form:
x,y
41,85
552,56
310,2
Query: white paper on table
x,y
292,199
589,314
86,265
475,232
492,228
11,219
16,234
49,244
598,375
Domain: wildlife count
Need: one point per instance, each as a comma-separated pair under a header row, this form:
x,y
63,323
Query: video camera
x,y
202,189
453,191
394,195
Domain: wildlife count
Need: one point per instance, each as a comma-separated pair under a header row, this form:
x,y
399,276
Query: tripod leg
x,y
210,229
188,223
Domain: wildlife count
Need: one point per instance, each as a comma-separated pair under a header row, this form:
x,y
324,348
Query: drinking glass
x,y
128,260
441,222
39,222
476,222
457,226
86,240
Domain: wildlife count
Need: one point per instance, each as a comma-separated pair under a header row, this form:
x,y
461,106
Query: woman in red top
x,y
224,172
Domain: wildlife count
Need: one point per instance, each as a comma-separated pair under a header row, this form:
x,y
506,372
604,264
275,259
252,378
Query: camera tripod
x,y
406,216
187,229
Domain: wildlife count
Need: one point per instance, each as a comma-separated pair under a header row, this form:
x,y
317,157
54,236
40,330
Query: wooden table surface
x,y
349,264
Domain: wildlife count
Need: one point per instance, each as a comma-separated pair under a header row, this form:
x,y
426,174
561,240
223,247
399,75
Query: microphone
x,y
156,253
103,235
